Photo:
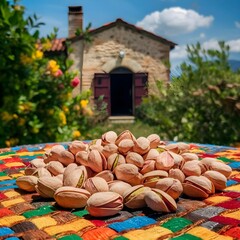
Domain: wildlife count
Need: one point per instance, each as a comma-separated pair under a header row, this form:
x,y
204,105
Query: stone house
x,y
122,62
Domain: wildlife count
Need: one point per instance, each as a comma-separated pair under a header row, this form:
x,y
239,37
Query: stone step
x,y
121,119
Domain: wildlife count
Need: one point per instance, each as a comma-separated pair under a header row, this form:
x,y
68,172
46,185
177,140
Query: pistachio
x,y
66,157
107,175
41,172
135,158
125,146
27,183
76,178
109,149
141,145
154,140
118,186
102,204
152,154
134,196
191,168
76,146
109,137
114,160
205,163
96,161
160,201
178,148
178,160
96,144
37,163
164,161
82,157
55,168
148,166
151,178
222,168
53,153
177,174
96,184
71,197
198,187
218,179
125,135
171,186
189,156
69,169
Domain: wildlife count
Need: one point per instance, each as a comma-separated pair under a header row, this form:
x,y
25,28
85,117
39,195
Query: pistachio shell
x,y
42,172
205,163
109,137
114,160
109,149
125,135
191,168
134,196
152,154
125,146
189,156
222,168
160,201
218,179
82,157
37,163
154,140
55,168
164,161
76,146
177,174
198,186
46,186
96,184
178,160
148,166
76,178
27,183
53,153
106,174
71,197
96,144
96,161
151,178
104,204
171,186
141,145
118,186
66,157
179,147
69,169
135,158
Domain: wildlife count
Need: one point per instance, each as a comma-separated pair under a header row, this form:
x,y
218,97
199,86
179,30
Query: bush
x,y
202,104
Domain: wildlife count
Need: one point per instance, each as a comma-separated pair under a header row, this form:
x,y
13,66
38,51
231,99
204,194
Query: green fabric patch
x,y
120,238
80,213
186,237
224,159
71,237
39,212
3,174
176,224
7,153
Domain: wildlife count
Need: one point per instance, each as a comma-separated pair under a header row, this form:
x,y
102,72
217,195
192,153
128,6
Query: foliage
x,y
202,105
36,103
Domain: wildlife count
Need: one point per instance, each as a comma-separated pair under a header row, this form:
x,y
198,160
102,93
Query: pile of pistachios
x,y
114,171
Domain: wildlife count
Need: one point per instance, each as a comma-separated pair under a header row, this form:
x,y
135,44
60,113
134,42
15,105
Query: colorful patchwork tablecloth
x,y
28,216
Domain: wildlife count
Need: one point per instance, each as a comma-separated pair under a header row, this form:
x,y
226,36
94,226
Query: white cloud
x,y
237,24
174,20
179,52
234,45
202,35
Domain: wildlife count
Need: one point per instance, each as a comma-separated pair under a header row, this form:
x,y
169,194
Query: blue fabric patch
x,y
12,238
132,223
231,182
8,187
8,182
5,231
234,165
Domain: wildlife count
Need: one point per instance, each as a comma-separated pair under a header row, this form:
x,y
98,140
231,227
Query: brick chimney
x,y
75,19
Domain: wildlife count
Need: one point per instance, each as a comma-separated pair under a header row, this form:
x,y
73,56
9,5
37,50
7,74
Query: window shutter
x,y
102,88
140,87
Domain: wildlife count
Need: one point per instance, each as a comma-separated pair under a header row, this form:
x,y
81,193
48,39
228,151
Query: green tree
x,y
202,104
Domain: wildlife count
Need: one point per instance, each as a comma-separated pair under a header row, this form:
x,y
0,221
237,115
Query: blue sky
x,y
181,21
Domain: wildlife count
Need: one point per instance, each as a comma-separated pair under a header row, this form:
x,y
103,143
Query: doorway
x,y
121,90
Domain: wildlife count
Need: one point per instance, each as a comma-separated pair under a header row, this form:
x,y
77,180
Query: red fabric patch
x,y
236,179
2,166
2,196
12,159
225,220
5,212
233,232
233,204
204,155
98,223
22,150
231,194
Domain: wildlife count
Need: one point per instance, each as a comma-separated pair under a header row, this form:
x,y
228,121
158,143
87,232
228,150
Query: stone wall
x,y
142,54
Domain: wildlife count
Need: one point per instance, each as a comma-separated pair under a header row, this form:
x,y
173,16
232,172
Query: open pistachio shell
x,y
191,168
205,163
125,146
114,160
53,153
76,146
107,175
66,157
55,168
69,169
154,140
135,158
178,160
124,135
151,178
218,179
171,186
42,172
97,161
96,184
179,147
141,145
152,154
118,186
76,178
109,137
222,168
96,144
82,157
134,196
177,174
160,201
27,183
103,204
164,161
46,186
109,149
148,166
198,187
189,156
71,197
37,163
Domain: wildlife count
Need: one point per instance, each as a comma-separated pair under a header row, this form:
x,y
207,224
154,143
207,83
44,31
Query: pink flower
x,y
58,73
75,82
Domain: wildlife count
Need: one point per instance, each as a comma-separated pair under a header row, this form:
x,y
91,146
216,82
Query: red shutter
x,y
140,87
102,88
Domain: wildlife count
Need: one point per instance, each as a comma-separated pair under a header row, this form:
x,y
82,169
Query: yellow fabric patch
x,y
235,215
234,188
134,235
10,220
72,226
217,199
30,153
15,164
42,222
5,178
16,175
206,234
11,202
235,173
11,193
